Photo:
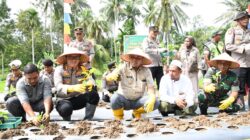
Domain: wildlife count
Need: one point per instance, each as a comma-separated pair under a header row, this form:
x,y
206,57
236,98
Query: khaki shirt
x,y
49,75
64,77
11,80
237,41
151,47
133,83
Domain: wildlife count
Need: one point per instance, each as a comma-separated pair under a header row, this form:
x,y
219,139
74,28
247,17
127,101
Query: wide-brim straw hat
x,y
15,64
70,51
137,52
224,57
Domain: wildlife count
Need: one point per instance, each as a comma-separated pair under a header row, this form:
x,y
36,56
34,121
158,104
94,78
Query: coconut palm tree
x,y
234,6
77,8
112,10
151,10
169,14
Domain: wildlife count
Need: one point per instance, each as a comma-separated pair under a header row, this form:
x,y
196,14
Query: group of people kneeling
x,y
75,88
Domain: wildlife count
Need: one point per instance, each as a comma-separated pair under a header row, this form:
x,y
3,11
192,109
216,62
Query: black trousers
x,y
244,79
157,73
65,107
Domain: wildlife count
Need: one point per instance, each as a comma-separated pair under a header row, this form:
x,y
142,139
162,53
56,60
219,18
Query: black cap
x,y
216,33
111,65
241,15
154,28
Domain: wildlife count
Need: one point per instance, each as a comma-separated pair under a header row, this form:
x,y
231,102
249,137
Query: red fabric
x,y
69,1
66,39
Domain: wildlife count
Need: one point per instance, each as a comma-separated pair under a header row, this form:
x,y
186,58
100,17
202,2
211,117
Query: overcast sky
x,y
207,9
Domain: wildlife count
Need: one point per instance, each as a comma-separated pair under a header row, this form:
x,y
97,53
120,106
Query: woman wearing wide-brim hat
x,y
134,78
221,85
75,86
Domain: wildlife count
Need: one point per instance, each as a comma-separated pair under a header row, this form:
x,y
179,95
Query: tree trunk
x,y
50,30
2,64
33,48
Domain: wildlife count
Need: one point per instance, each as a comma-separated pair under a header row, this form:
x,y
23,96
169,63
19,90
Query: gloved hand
x,y
226,103
36,120
89,85
77,88
149,106
46,118
209,88
113,76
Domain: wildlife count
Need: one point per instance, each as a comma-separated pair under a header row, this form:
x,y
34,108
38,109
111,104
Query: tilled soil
x,y
144,126
10,133
112,129
50,129
82,128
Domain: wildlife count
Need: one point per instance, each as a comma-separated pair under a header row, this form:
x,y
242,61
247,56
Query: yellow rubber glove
x,y
36,120
113,76
89,85
77,88
226,103
149,106
210,88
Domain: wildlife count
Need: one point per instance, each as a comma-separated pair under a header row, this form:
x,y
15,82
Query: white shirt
x,y
170,89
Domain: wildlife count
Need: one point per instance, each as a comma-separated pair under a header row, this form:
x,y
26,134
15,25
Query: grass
x,y
2,85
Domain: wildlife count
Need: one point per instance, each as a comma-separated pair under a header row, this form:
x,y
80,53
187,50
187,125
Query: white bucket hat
x,y
15,64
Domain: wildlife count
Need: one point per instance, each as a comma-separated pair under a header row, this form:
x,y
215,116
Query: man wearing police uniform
x,y
150,46
12,78
75,87
237,41
83,45
213,48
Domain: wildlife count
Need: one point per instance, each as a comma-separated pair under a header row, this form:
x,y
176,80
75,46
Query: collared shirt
x,y
170,90
64,77
151,47
11,80
49,75
237,41
224,83
213,49
31,94
134,82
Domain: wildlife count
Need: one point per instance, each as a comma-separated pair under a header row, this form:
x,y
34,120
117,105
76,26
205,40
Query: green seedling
x,y
3,116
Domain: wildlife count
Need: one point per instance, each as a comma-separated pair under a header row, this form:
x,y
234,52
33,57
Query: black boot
x,y
89,111
67,118
203,109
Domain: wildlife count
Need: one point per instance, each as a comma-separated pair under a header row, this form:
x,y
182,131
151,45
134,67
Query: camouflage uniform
x,y
225,84
213,49
11,80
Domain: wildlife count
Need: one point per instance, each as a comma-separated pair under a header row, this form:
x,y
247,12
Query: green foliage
x,y
4,116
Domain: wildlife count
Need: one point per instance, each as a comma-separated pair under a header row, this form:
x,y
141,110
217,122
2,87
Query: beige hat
x,y
137,52
15,64
69,51
224,57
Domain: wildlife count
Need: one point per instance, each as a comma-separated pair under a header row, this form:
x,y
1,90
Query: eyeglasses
x,y
73,57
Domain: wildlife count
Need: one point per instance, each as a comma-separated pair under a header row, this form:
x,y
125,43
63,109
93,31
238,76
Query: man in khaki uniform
x,y
134,79
151,46
83,45
237,41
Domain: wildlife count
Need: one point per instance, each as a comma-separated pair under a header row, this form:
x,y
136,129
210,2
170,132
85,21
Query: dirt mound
x,y
144,126
50,129
10,133
82,128
112,129
206,122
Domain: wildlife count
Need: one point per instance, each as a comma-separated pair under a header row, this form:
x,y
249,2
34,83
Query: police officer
x,y
108,87
212,48
150,46
237,41
83,45
221,86
75,87
12,78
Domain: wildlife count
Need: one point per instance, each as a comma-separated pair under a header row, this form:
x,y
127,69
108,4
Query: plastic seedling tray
x,y
12,122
